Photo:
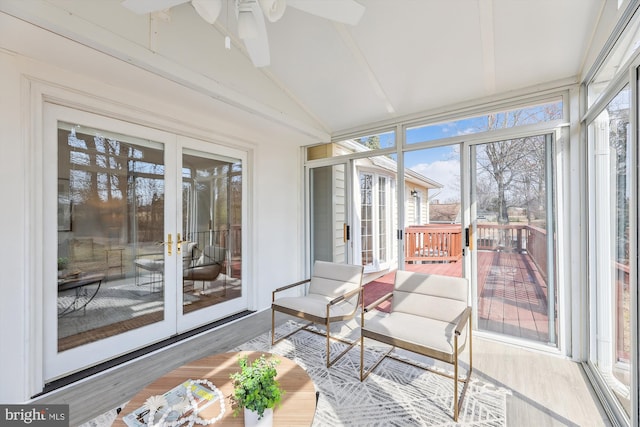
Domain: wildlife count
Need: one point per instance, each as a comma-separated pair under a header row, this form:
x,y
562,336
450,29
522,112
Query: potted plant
x,y
256,390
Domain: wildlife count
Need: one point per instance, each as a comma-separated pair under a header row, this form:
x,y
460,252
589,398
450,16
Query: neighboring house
x,y
444,213
373,221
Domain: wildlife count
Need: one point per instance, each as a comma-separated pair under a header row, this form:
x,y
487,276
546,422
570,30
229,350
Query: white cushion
x,y
150,264
438,297
332,280
212,254
316,305
422,331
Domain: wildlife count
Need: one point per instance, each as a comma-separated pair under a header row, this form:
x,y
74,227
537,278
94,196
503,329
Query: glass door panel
x,y
111,197
433,238
107,280
330,226
211,244
512,224
611,337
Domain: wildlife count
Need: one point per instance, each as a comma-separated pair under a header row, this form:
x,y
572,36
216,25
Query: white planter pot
x,y
251,418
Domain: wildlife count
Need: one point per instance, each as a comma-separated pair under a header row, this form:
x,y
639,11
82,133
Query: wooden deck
x,y
512,294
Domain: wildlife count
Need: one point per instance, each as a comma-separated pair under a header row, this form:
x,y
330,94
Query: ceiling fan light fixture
x,y
273,9
247,25
209,10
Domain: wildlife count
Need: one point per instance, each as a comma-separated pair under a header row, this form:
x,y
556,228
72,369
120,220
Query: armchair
x,y
429,316
333,295
153,263
207,267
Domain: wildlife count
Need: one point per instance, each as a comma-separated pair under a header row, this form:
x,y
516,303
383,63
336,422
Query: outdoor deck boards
x,y
512,294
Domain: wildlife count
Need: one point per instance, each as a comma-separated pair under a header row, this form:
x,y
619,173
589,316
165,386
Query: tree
x,y
371,142
516,166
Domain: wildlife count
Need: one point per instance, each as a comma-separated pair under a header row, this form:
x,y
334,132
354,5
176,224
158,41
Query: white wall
x,y
14,193
33,61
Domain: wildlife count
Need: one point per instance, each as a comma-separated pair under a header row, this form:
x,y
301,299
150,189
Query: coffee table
x,y
298,404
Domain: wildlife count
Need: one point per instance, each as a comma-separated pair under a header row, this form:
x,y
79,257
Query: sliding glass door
x,y
512,223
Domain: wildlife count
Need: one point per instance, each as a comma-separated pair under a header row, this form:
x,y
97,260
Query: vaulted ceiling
x,y
404,57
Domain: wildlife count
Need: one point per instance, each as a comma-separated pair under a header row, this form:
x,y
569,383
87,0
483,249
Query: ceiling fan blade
x,y
148,6
344,11
255,38
273,9
209,10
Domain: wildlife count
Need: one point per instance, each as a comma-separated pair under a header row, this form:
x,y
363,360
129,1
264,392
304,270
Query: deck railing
x,y
433,243
230,239
438,242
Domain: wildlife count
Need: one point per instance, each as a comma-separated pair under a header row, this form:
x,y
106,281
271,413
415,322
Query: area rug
x,y
395,394
117,302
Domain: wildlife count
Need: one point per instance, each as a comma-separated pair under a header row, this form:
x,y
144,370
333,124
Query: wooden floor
x,y
546,390
512,294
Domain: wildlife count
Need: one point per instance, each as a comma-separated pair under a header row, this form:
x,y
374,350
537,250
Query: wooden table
x,y
296,409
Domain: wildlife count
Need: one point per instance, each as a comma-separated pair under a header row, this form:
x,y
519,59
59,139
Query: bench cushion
x,y
315,305
332,280
437,297
150,264
424,335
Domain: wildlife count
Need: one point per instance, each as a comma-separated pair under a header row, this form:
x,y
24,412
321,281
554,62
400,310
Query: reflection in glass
x,y
212,234
110,220
609,134
626,46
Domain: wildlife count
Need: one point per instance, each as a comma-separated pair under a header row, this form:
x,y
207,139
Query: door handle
x,y
179,245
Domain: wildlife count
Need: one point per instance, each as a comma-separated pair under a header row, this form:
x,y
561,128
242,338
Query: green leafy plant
x,y
255,386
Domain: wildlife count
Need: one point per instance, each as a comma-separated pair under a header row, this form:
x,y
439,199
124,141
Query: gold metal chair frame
x,y
465,318
326,321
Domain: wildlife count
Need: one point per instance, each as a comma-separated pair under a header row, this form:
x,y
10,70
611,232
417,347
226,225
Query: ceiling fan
x,y
251,13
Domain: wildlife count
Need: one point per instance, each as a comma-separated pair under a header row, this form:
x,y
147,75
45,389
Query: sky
x,y
442,164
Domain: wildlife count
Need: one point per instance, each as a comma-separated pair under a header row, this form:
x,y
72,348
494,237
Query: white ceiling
x,y
408,56
404,57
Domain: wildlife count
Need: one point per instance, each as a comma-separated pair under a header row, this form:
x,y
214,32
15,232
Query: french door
x,y
142,239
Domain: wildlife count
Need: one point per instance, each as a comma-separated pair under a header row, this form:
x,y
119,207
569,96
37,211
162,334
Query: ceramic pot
x,y
251,418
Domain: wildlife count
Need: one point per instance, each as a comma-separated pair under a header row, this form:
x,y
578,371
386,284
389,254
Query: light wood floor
x,y
546,390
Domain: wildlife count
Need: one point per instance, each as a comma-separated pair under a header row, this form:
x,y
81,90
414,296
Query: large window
x,y
532,114
610,283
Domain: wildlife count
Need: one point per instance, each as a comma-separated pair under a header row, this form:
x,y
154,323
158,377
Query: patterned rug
x,y
115,302
395,394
